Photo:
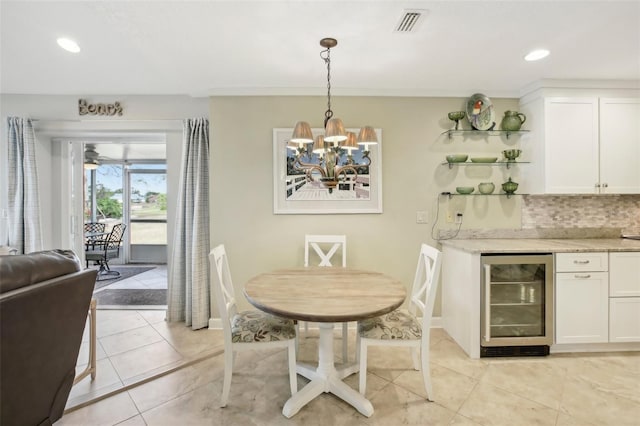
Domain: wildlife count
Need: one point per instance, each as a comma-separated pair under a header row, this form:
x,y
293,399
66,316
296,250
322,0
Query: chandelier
x,y
331,155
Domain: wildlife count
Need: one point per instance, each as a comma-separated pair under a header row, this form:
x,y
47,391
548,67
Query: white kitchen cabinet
x,y
586,317
597,297
624,321
624,274
571,145
585,140
582,298
592,145
619,146
624,292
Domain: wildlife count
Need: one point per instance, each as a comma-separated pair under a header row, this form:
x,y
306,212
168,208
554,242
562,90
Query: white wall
x,y
412,149
58,118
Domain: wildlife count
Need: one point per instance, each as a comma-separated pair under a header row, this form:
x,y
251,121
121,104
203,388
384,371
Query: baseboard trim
x,y
595,347
215,323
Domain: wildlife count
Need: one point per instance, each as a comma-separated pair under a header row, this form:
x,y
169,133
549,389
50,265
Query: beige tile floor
x,y
561,390
134,343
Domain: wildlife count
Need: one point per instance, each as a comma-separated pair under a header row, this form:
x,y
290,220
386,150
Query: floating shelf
x,y
455,194
471,163
508,133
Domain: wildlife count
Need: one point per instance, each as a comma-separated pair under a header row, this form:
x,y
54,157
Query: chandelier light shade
x,y
330,158
302,133
334,131
351,144
367,135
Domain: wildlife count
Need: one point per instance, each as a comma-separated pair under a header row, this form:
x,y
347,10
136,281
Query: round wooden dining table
x,y
325,295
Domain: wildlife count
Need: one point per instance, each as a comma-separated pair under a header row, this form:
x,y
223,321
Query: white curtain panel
x,y
188,287
24,233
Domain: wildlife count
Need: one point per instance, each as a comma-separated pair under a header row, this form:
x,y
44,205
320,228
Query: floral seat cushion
x,y
396,325
258,326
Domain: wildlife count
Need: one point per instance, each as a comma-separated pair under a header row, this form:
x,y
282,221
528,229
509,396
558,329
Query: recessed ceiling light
x,y
536,55
68,45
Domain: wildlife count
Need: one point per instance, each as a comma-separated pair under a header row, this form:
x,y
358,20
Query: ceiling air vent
x,y
410,20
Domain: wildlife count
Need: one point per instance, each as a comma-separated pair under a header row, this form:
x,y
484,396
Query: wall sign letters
x,y
85,108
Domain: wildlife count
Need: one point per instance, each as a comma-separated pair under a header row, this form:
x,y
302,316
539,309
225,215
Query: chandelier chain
x,y
326,56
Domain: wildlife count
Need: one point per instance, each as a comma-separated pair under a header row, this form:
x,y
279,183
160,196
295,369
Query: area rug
x,y
131,297
125,272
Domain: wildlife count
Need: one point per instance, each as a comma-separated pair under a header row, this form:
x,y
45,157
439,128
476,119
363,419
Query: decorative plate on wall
x,y
480,112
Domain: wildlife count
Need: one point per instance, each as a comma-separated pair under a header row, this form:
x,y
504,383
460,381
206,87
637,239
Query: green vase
x,y
512,121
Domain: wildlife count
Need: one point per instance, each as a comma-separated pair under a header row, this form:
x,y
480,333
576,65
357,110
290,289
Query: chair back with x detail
x,y
402,327
247,330
425,283
315,241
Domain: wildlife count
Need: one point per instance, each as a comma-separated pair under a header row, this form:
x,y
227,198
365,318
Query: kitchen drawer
x,y
578,262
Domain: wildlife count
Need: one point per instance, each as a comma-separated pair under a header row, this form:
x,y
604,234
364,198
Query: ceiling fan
x,y
91,157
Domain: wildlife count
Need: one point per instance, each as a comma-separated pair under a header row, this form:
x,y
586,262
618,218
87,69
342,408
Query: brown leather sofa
x,y
44,300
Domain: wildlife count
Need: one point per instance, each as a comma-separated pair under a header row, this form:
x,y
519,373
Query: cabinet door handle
x,y
597,185
581,262
605,185
582,276
487,303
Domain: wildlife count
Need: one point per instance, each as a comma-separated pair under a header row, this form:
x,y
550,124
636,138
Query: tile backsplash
x,y
582,211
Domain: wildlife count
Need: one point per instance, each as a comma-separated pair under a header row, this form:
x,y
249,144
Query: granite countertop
x,y
542,245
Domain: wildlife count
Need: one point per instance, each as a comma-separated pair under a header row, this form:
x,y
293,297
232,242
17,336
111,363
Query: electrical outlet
x,y
449,216
422,216
458,218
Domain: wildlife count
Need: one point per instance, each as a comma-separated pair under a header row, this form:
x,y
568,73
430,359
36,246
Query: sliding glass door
x,y
136,195
147,213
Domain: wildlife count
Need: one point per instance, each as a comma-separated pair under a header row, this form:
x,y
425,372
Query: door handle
x,y
487,303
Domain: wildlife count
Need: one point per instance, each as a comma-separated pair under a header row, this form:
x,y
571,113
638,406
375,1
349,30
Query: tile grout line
x,y
127,387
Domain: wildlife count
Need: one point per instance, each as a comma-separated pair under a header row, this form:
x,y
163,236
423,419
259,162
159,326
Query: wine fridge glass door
x,y
517,301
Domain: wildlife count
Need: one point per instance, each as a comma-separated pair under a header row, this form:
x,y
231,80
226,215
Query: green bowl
x,y
456,115
484,159
457,158
486,188
465,189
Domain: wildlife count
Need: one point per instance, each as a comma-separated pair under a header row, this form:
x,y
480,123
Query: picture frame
x,y
295,192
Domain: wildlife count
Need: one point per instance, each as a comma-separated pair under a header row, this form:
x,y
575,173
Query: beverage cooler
x,y
517,305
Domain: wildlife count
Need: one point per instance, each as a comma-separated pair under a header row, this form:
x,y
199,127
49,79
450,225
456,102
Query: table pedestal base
x,y
326,378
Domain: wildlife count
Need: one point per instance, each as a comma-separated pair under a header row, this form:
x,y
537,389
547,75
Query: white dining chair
x,y
325,247
402,327
247,330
